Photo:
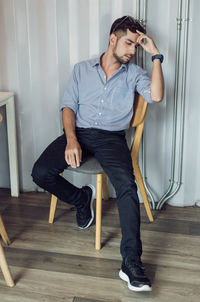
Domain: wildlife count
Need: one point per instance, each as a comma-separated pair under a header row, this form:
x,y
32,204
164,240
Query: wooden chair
x,y
4,235
140,109
92,166
3,262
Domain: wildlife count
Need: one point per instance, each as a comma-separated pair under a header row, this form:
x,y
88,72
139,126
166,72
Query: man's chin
x,y
126,59
122,60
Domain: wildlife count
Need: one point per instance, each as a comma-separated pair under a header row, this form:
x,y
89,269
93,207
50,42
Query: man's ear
x,y
113,39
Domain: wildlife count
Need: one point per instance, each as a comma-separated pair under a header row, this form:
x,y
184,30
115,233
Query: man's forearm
x,y
157,82
69,123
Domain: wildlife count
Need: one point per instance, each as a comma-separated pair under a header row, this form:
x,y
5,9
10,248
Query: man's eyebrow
x,y
131,41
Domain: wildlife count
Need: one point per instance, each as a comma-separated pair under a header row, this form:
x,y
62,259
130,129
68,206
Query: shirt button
x,y
96,123
105,88
102,101
99,113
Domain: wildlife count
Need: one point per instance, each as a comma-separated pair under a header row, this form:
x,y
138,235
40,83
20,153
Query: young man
x,y
97,108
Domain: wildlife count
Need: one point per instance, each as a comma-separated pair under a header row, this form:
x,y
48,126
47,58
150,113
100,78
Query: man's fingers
x,y
73,154
72,160
141,35
77,158
80,155
139,41
67,158
73,157
141,38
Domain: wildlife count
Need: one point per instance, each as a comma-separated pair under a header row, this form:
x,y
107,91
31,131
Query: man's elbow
x,y
157,97
157,92
157,100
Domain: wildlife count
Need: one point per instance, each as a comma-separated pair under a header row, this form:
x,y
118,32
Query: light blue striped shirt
x,y
102,104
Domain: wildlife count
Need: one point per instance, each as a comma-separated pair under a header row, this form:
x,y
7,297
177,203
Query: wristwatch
x,y
158,56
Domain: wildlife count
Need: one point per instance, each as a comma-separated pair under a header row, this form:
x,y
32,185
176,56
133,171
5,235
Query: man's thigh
x,y
114,156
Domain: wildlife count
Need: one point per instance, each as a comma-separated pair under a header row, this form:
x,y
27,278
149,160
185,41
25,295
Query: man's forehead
x,y
132,37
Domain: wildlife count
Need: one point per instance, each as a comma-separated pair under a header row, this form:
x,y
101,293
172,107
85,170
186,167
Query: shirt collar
x,y
96,61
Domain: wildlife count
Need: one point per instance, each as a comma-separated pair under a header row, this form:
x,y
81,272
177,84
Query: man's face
x,y
125,47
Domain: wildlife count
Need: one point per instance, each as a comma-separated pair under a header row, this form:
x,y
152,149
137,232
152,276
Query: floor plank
x,y
79,299
59,263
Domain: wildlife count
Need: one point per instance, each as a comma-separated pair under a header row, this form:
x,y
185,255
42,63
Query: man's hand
x,y
73,153
149,45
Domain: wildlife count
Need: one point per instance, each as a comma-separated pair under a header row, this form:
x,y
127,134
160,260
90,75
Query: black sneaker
x,y
133,273
85,212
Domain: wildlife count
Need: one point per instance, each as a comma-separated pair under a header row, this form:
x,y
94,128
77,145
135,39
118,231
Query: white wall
x,y
41,40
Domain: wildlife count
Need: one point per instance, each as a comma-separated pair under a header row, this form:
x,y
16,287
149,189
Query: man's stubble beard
x,y
119,59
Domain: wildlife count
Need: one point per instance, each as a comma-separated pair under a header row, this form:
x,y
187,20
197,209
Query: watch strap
x,y
158,56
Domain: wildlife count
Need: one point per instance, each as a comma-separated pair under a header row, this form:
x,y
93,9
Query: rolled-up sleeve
x,y
71,96
143,83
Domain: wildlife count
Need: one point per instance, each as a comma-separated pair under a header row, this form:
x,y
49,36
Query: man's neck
x,y
109,64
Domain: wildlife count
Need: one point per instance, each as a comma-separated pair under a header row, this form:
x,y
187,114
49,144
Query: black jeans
x,y
111,150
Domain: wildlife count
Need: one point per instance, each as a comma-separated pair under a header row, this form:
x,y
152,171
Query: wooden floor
x,y
59,263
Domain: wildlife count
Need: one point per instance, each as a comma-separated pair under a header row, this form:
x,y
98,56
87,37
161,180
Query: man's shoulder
x,y
87,63
134,67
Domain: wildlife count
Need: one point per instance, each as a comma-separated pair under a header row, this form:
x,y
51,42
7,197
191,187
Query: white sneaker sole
x,y
144,288
91,206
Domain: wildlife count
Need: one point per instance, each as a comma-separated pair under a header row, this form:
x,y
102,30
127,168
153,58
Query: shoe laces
x,y
136,266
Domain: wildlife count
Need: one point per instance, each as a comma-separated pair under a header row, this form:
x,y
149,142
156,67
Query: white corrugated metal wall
x,y
41,40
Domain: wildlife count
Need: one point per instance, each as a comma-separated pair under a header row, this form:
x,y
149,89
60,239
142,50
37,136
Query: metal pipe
x,y
137,9
183,91
144,22
137,18
166,196
174,131
143,63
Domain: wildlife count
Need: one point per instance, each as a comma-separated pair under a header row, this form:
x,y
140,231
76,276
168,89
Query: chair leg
x,y
54,200
3,232
105,188
141,186
5,268
53,205
98,211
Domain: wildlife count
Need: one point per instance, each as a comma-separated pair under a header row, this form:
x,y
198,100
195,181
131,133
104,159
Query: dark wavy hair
x,y
124,23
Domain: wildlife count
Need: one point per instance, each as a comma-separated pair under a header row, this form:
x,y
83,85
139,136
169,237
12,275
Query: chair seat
x,y
90,166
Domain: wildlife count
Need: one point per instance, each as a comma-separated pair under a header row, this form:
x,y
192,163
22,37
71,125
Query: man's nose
x,y
133,49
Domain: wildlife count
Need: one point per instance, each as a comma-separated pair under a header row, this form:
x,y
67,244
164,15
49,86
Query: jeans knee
x,y
126,187
39,173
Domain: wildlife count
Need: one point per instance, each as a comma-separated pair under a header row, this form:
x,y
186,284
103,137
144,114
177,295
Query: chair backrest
x,y
140,108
